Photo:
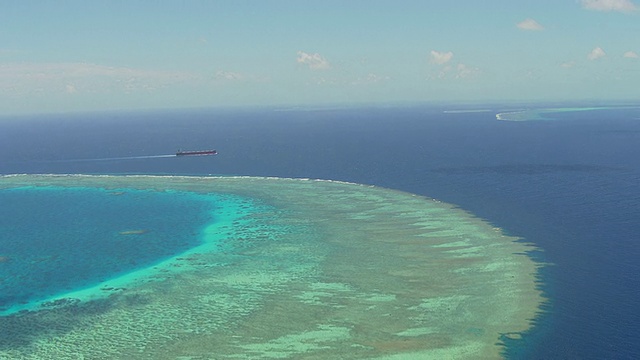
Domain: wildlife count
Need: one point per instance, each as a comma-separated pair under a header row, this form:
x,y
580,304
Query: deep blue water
x,y
46,234
568,185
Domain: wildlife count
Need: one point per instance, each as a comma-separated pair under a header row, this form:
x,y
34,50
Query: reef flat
x,y
312,269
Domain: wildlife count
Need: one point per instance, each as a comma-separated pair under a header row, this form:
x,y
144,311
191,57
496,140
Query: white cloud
x,y
441,57
631,55
313,61
529,24
596,53
568,65
609,5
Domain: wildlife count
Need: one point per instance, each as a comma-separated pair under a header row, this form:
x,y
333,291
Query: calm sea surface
x,y
568,184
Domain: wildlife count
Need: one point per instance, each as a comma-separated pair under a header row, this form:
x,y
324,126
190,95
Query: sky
x,y
69,56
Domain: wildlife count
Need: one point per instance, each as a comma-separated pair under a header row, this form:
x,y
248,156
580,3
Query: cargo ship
x,y
196,152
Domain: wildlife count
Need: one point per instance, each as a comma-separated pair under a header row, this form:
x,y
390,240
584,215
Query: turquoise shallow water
x,y
55,240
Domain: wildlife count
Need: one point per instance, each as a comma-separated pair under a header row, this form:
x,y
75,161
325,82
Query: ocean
x,y
565,181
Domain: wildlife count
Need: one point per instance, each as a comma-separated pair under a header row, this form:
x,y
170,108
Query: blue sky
x,y
64,56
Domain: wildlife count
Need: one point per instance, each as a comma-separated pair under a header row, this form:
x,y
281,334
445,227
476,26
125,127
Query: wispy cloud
x,y
229,75
463,71
459,71
7,52
234,76
313,61
71,78
529,24
609,5
568,64
596,53
370,78
631,55
440,58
